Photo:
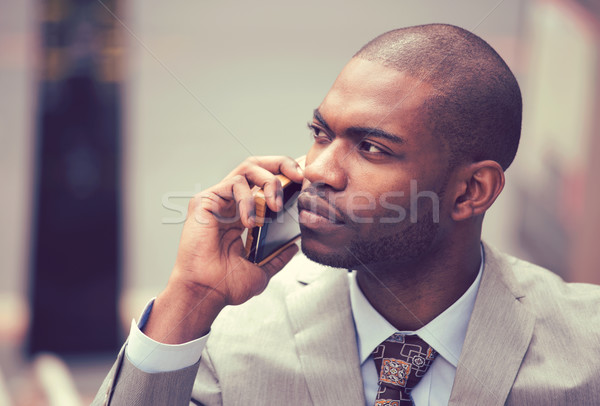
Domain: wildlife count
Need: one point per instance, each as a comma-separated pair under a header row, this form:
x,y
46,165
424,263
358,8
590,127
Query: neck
x,y
411,295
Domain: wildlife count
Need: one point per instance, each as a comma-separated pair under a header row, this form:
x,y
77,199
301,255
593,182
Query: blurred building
x,y
558,196
75,236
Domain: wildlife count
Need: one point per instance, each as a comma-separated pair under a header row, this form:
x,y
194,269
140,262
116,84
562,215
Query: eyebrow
x,y
361,132
317,115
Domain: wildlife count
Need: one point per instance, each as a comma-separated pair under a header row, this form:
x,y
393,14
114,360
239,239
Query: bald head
x,y
475,108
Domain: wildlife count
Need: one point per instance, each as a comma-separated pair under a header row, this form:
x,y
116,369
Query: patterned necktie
x,y
401,361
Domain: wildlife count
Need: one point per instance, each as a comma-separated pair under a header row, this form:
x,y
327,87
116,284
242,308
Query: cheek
x,y
394,207
361,206
374,206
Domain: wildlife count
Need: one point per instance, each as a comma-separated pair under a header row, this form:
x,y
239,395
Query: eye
x,y
371,148
318,134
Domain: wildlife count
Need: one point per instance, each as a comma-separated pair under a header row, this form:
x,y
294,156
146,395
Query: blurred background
x,y
114,112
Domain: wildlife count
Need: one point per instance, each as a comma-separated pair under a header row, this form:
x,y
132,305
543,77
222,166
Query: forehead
x,y
366,93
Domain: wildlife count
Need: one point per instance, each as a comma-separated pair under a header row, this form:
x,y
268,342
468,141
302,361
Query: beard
x,y
383,244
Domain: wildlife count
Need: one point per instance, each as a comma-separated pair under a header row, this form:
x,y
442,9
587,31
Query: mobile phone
x,y
275,231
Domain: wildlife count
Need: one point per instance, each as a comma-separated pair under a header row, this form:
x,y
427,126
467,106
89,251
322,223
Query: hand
x,y
210,270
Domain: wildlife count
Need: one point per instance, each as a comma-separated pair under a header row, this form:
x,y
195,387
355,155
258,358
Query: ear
x,y
477,187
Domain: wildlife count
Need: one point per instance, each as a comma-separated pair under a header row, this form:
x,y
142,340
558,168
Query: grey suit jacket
x,y
532,340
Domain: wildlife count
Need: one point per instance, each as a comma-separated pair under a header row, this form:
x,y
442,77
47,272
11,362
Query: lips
x,y
319,207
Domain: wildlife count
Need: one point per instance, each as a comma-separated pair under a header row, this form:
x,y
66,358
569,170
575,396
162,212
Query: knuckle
x,y
243,167
238,179
287,161
272,187
250,162
273,181
196,202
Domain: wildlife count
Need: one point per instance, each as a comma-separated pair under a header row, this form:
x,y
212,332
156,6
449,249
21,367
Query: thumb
x,y
278,262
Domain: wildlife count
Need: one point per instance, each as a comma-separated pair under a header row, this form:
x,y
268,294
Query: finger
x,y
261,171
281,164
208,207
237,190
267,181
273,192
244,201
291,169
274,164
277,263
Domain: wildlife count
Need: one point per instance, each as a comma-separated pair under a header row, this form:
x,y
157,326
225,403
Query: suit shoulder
x,y
553,300
536,280
565,335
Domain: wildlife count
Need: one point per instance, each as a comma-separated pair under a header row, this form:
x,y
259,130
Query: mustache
x,y
317,200
314,190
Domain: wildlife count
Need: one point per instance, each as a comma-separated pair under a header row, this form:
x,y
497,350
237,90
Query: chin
x,y
326,256
404,246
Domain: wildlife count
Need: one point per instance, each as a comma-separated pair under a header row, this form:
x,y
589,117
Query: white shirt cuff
x,y
151,356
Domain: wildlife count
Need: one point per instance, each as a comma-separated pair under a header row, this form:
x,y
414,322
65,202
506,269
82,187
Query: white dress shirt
x,y
446,334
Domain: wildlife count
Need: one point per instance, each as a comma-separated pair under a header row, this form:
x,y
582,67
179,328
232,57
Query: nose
x,y
325,165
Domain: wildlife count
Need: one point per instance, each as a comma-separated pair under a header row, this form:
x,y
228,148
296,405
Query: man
x,y
410,148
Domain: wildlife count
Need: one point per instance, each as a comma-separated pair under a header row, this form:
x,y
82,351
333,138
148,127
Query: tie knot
x,y
401,360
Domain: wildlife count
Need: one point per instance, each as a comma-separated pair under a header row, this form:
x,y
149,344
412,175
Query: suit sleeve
x,y
128,385
158,374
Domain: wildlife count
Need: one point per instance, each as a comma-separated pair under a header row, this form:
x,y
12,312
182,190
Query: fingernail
x,y
279,202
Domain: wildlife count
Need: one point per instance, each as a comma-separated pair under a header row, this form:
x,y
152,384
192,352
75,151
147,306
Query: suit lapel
x,y
497,338
321,318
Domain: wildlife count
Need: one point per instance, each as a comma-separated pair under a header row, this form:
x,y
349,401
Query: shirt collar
x,y
446,333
